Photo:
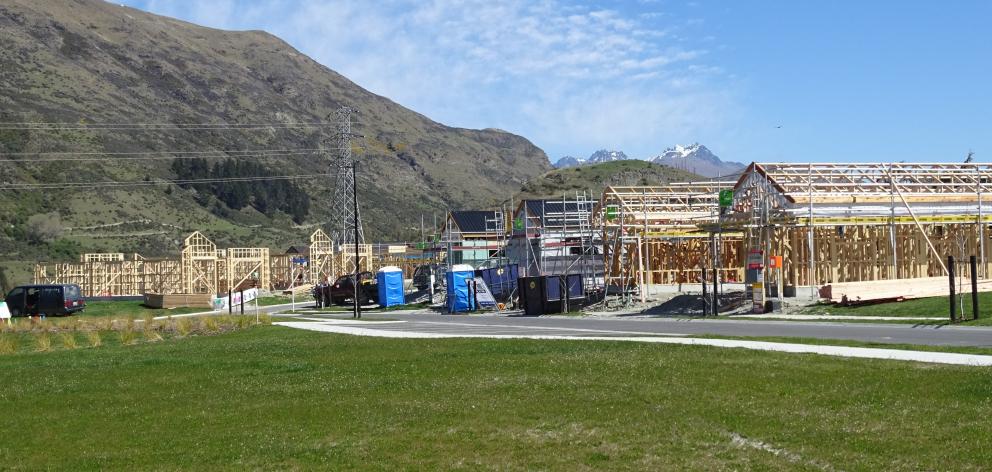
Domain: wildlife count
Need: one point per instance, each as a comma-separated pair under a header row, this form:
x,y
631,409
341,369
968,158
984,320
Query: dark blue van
x,y
47,300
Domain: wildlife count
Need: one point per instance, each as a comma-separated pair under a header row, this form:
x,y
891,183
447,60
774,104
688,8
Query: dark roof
x,y
298,249
538,207
473,221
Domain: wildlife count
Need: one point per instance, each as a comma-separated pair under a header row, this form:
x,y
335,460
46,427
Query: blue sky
x,y
761,80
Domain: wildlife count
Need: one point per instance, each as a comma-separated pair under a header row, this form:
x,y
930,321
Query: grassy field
x,y
275,398
132,309
931,306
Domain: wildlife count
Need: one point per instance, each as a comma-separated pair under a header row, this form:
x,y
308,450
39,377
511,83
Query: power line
x,y
40,126
117,184
150,158
141,153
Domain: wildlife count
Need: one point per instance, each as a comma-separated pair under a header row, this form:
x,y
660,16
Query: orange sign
x,y
775,262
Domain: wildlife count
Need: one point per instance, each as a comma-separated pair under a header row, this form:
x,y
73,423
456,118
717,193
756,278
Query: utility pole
x,y
354,201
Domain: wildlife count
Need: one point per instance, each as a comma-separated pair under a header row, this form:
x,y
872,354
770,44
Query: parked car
x,y
47,300
343,289
422,276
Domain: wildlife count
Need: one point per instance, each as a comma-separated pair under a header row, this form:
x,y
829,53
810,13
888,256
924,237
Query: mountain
x,y
593,178
92,63
601,155
569,161
698,159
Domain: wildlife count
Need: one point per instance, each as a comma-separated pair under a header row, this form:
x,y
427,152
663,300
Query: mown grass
x,y
275,398
281,299
133,309
928,307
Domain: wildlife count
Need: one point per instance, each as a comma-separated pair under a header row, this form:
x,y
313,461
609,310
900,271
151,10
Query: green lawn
x,y
928,307
282,299
132,309
276,398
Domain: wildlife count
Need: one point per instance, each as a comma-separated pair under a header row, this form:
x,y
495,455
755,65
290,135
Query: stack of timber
x,y
855,293
178,300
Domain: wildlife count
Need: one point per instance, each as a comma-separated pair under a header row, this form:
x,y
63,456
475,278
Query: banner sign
x,y
220,303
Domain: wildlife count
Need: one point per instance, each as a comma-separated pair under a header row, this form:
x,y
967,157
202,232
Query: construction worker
x,y
318,294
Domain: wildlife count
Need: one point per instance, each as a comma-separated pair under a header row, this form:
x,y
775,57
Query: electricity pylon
x,y
346,221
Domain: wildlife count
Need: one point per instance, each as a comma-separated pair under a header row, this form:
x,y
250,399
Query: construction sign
x,y
611,213
518,224
755,259
726,198
775,262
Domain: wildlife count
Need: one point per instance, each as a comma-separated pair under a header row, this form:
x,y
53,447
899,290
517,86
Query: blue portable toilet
x,y
459,298
390,282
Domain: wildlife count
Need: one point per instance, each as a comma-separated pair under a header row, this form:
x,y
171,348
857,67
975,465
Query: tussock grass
x,y
152,336
211,325
184,326
8,343
94,339
50,335
127,335
42,341
68,339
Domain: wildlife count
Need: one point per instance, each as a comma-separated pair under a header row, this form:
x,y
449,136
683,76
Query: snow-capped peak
x,y
683,151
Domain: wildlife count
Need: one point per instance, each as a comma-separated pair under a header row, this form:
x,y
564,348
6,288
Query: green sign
x,y
726,198
518,223
611,213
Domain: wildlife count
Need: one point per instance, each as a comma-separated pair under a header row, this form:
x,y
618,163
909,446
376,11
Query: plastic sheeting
x,y
459,298
390,283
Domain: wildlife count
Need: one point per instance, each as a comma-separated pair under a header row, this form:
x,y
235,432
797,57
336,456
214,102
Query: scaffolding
x,y
556,237
484,233
653,235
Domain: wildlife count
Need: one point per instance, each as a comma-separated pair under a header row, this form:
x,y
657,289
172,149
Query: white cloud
x,y
567,77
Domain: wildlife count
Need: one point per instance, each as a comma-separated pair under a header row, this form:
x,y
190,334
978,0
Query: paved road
x,y
880,333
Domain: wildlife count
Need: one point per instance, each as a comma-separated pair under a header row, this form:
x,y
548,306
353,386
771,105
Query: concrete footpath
x,y
426,329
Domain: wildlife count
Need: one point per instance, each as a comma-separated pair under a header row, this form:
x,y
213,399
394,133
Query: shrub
x,y
44,227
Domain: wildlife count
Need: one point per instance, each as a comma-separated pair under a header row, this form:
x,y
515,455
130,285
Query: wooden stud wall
x,y
859,253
